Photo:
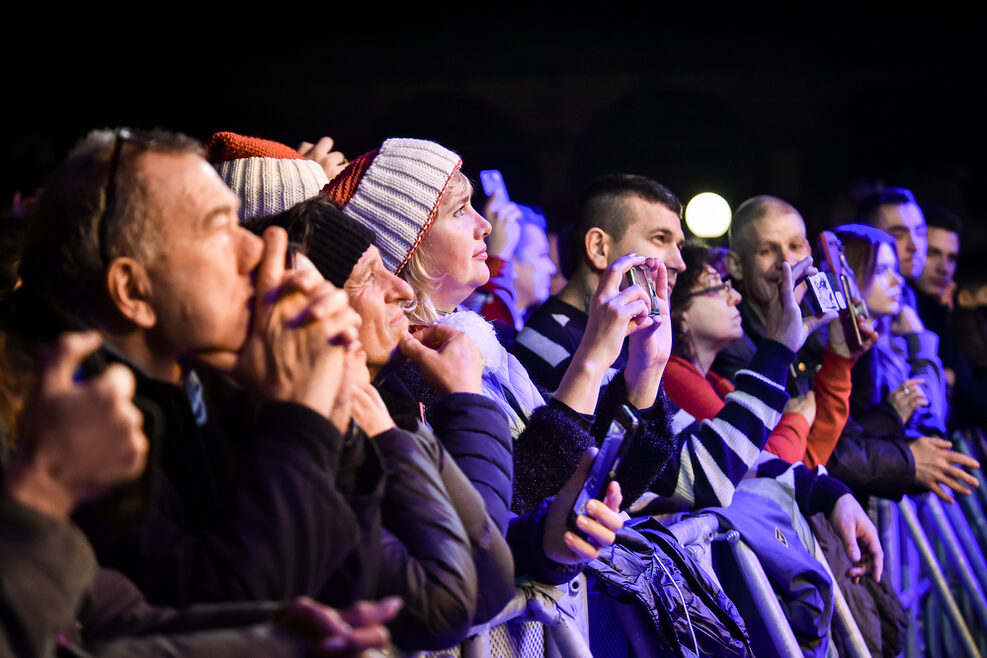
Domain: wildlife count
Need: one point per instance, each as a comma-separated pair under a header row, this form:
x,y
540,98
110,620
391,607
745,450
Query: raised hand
x,y
908,397
505,232
339,633
838,343
906,322
803,404
613,314
935,466
447,358
649,347
600,523
857,530
300,328
77,439
784,322
332,162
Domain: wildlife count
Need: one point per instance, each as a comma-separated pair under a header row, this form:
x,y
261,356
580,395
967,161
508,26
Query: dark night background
x,y
802,108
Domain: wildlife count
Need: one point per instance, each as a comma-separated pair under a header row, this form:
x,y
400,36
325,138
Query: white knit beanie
x,y
267,176
396,192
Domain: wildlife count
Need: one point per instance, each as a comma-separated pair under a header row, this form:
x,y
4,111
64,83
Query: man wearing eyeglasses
x,y
252,492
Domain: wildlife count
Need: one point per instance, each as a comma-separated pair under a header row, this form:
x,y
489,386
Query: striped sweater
x,y
712,456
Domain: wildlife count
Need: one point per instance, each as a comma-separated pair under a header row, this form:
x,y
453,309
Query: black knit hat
x,y
320,230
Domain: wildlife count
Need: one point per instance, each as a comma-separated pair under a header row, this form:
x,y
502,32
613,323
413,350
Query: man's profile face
x,y
777,237
653,231
940,262
201,278
907,224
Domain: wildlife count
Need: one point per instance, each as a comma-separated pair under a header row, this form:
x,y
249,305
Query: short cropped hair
x,y
938,217
751,211
75,234
601,205
869,207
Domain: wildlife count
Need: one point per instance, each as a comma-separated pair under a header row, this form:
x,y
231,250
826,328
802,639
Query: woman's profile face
x,y
712,317
454,250
884,296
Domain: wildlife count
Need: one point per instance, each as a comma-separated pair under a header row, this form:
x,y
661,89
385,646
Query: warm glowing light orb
x,y
708,215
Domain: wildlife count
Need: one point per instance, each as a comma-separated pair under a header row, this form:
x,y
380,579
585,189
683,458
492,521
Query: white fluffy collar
x,y
483,335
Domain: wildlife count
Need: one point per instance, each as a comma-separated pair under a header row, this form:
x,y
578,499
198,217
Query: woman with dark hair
x,y
705,320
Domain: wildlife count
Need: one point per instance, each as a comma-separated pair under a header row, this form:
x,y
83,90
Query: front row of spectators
x,y
249,411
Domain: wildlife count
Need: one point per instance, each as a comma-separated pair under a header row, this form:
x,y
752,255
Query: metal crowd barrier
x,y
541,621
697,534
935,558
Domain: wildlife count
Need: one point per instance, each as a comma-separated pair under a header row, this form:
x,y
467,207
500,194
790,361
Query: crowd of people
x,y
259,400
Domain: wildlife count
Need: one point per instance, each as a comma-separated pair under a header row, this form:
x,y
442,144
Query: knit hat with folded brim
x,y
395,191
333,241
267,176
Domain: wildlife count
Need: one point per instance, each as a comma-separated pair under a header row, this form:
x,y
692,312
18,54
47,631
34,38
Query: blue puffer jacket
x,y
648,568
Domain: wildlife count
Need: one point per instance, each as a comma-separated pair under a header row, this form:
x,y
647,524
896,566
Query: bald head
x,y
742,228
766,232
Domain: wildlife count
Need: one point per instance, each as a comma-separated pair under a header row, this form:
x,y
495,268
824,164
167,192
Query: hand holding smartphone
x,y
493,183
851,304
622,430
640,275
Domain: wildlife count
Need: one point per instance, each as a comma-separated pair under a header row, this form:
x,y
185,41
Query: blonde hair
x,y
418,272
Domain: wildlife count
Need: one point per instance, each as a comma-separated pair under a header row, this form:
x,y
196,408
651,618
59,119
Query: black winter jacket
x,y
269,502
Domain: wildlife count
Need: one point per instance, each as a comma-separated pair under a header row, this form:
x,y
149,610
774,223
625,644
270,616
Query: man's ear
x,y
129,288
597,242
733,266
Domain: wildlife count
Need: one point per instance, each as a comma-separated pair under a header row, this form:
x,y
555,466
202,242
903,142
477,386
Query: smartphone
x,y
821,296
622,430
493,183
845,288
640,275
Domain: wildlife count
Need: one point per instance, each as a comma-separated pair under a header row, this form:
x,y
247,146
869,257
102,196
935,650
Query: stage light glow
x,y
708,215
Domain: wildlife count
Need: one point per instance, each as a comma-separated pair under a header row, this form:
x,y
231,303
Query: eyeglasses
x,y
721,288
120,136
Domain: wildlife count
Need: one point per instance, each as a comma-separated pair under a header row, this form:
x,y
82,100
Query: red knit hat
x,y
268,177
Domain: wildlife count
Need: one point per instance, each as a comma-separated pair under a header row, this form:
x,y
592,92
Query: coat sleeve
x,y
714,455
280,531
924,363
547,452
832,387
815,490
475,432
789,437
490,553
258,641
45,568
116,620
872,465
426,555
